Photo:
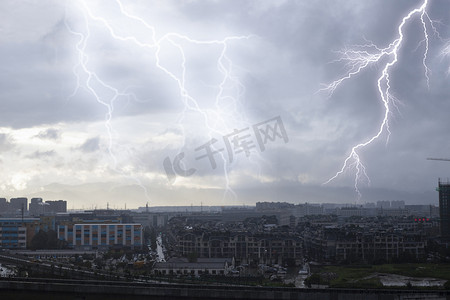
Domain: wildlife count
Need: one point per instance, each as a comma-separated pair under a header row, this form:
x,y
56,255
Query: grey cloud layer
x,y
280,68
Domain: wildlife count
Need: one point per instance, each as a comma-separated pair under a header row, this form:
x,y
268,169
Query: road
x,y
303,274
160,249
5,272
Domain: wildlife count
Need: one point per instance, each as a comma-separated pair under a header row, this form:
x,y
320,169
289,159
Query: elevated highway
x,y
48,289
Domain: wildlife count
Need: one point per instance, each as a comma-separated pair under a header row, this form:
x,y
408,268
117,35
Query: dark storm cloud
x,y
36,90
38,84
292,50
309,44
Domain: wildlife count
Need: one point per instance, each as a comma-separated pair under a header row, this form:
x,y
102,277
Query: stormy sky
x,y
162,102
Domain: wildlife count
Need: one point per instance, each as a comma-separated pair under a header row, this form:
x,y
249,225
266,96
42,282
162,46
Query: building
x,y
243,246
89,236
289,216
308,209
17,233
57,206
3,206
353,243
90,217
155,220
350,211
380,246
39,207
286,218
19,204
398,204
36,206
272,206
49,254
47,223
202,266
444,208
384,204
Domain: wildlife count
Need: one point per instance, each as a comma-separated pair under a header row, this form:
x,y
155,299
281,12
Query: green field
x,y
360,276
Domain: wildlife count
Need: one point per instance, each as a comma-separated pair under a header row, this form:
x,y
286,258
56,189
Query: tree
x,y
153,239
315,278
62,244
447,285
39,240
46,240
52,240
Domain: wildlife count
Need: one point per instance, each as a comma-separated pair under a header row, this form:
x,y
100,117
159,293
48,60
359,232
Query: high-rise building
x,y
17,204
384,204
444,208
56,206
398,204
36,206
3,206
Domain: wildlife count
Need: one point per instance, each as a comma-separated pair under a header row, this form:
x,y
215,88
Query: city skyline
x,y
36,206
99,99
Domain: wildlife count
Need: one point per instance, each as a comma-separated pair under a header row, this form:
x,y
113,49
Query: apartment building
x,y
16,233
337,244
244,247
101,236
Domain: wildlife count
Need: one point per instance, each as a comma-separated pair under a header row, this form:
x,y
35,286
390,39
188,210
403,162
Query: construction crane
x,y
444,159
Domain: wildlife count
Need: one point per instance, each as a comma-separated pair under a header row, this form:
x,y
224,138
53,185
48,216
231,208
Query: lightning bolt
x,y
214,119
446,53
92,83
359,58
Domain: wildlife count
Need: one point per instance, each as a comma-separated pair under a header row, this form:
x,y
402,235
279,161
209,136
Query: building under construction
x,y
444,208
